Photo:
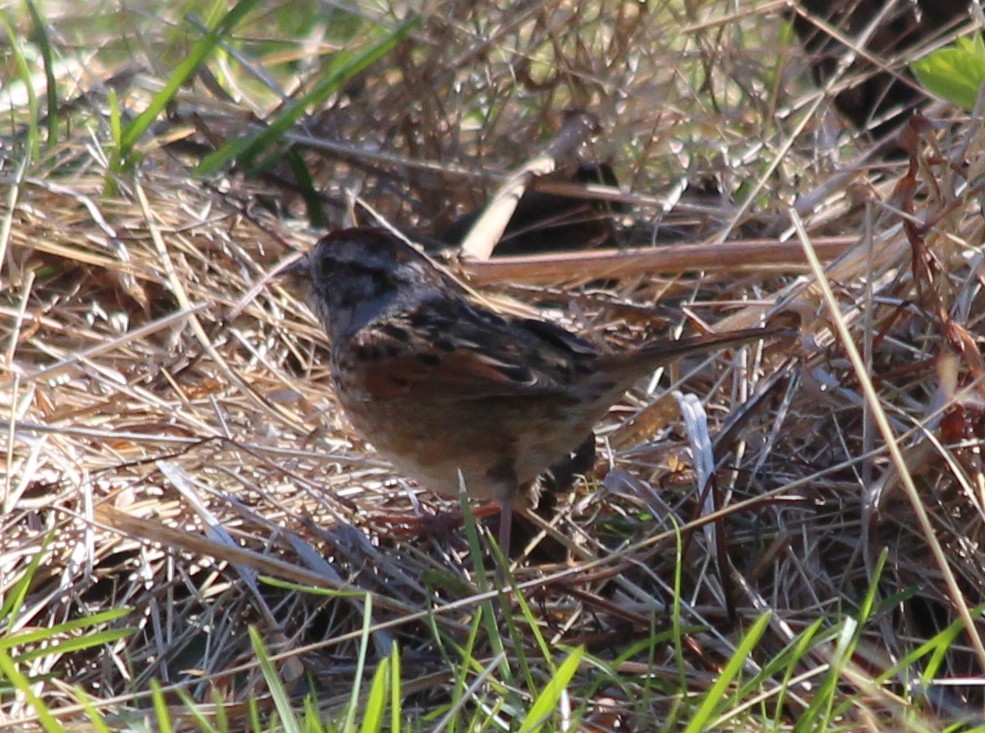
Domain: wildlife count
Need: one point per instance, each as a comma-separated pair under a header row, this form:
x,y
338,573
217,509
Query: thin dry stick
x,y
178,289
488,228
177,540
709,256
892,444
188,311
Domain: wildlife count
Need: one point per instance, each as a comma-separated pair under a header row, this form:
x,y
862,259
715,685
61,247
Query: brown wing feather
x,y
459,374
489,356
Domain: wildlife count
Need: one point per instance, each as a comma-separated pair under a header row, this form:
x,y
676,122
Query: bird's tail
x,y
663,351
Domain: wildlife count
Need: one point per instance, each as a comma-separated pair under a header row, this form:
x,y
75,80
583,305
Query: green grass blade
x,y
346,65
202,720
160,708
77,644
282,701
116,138
10,673
184,71
51,92
395,689
15,599
716,695
30,637
547,701
98,725
306,187
792,657
375,708
313,590
823,707
350,716
33,137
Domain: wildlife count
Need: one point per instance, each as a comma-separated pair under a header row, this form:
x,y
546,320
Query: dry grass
x,y
170,433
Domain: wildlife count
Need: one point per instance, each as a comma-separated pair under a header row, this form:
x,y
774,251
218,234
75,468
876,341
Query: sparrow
x,y
452,393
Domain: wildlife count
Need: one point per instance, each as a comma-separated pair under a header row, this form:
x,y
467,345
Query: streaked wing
x,y
442,350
